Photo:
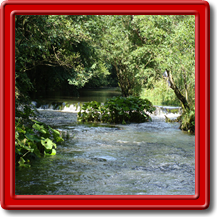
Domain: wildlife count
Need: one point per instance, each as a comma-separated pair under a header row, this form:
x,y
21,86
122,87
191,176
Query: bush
x,y
34,140
117,110
188,121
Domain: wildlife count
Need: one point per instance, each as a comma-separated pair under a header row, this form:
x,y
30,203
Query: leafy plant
x,y
34,140
188,120
117,110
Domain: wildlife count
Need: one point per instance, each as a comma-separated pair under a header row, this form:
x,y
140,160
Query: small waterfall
x,y
172,112
165,110
63,107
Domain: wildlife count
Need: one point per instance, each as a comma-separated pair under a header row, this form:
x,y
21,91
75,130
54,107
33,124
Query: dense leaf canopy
x,y
57,52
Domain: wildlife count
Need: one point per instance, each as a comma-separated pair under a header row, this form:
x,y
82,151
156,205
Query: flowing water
x,y
152,158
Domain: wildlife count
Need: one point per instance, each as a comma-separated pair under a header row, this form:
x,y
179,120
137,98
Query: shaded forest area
x,y
146,56
71,52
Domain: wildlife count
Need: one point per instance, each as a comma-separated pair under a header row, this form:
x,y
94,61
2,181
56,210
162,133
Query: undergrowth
x,y
117,110
33,139
188,120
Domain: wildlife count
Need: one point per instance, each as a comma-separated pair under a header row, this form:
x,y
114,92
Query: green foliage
x,y
160,94
117,49
91,112
53,51
117,110
177,54
34,140
141,47
188,121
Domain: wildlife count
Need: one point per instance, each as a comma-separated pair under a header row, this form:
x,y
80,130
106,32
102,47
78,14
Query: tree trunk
x,y
177,91
186,86
122,81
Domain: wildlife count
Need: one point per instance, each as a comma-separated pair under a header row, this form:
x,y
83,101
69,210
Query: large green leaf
x,y
47,143
39,128
33,137
49,152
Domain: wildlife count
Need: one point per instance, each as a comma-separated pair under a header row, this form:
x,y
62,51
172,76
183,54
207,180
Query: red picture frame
x,y
201,198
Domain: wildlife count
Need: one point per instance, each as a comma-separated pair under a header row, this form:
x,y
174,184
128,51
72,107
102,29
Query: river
x,y
152,158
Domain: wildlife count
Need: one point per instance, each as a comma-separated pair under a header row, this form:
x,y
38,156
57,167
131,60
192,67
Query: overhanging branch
x,y
177,91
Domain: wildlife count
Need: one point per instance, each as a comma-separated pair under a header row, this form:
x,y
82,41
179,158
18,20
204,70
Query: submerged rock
x,y
104,158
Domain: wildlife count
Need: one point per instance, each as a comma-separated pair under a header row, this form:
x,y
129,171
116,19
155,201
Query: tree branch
x,y
177,91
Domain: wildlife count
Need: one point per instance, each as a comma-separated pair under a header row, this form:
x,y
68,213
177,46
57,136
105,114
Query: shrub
x,y
34,140
188,121
117,110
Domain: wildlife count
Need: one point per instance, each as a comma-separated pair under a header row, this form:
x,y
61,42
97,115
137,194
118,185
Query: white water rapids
x,y
152,158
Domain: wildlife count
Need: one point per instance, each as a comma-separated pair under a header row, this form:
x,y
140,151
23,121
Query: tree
x,y
178,56
131,45
119,48
50,49
170,43
176,90
62,44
